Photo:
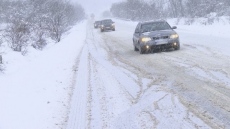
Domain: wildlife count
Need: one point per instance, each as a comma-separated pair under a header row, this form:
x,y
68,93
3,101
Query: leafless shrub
x,y
136,9
39,42
17,36
177,21
62,15
210,20
1,63
189,21
0,53
17,32
30,22
1,41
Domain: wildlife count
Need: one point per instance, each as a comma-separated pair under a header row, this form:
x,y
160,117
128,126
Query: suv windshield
x,y
107,21
154,26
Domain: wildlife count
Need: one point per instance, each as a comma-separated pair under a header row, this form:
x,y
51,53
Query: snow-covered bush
x,y
162,9
17,35
0,41
31,22
17,32
0,59
38,24
0,52
61,16
1,67
40,42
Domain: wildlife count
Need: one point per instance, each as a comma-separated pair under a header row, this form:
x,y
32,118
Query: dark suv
x,y
107,24
155,35
97,24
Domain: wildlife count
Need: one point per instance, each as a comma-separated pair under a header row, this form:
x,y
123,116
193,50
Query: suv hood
x,y
159,33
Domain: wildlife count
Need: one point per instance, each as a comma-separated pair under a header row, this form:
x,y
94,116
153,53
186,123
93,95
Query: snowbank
x,y
35,89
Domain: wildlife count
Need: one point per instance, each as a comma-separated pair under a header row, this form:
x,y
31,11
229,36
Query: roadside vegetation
x,y
162,9
35,23
31,22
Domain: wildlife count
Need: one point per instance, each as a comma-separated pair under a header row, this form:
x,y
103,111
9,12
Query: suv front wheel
x,y
177,47
141,51
135,48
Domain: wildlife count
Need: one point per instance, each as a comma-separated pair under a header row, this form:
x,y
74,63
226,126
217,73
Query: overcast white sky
x,y
96,6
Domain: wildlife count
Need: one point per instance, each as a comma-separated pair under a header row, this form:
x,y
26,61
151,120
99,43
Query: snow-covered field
x,y
96,80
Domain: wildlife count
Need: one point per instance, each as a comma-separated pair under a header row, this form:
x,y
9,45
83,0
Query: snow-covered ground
x,y
35,89
96,80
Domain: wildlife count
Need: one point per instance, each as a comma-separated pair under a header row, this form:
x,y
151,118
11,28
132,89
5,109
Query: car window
x,y
137,28
154,26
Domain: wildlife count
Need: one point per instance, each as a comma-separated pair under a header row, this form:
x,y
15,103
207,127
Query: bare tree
x,y
38,24
17,35
136,9
17,31
30,22
176,7
57,22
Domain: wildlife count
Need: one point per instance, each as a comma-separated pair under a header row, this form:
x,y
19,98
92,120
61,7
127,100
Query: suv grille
x,y
162,37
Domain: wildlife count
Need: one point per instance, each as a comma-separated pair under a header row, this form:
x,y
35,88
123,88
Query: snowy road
x,y
117,87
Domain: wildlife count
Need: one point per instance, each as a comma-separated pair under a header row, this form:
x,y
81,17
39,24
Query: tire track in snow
x,y
208,86
163,60
101,95
78,113
100,45
90,97
205,89
108,97
103,99
137,80
126,64
114,53
140,73
104,66
146,114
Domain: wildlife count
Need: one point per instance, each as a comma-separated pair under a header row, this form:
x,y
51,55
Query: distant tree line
x,y
138,9
31,22
134,10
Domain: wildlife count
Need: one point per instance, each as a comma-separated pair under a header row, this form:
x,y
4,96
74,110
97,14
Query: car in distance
x,y
155,35
97,24
107,24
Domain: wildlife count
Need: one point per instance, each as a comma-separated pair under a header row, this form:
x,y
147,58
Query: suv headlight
x,y
145,39
113,24
174,36
102,26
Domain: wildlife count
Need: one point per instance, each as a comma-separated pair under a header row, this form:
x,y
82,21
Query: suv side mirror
x,y
174,27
